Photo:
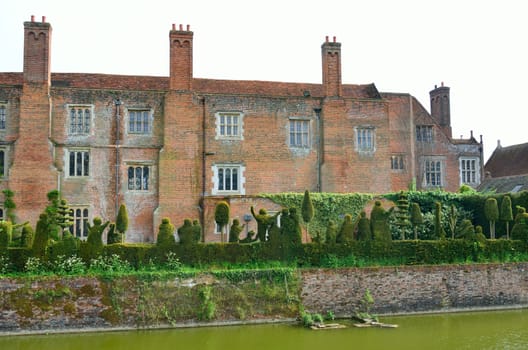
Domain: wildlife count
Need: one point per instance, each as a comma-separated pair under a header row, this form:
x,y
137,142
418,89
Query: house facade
x,y
174,146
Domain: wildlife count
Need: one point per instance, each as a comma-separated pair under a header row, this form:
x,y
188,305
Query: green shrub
x,y
222,216
27,235
186,233
166,234
346,233
95,238
6,232
379,221
41,241
235,230
113,236
364,233
331,233
121,224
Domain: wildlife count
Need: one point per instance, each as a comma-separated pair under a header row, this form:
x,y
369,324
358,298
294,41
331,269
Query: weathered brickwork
x,y
416,289
330,137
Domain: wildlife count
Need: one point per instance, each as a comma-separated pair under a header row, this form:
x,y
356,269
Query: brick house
x,y
173,146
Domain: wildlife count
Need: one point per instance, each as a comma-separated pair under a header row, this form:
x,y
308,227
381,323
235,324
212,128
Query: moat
x,y
475,330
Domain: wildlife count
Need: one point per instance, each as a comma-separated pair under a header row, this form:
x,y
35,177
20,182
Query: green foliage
x,y
53,216
364,232
41,241
438,227
64,218
33,265
416,218
491,210
307,210
453,215
346,233
207,311
166,234
506,213
197,231
6,232
331,233
27,235
121,221
264,222
366,304
95,238
71,265
186,233
379,221
222,216
109,264
520,228
67,247
307,319
235,230
402,215
9,204
113,236
290,229
466,189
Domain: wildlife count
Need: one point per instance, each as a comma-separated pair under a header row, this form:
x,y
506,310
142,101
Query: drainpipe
x,y
319,146
202,195
117,104
411,140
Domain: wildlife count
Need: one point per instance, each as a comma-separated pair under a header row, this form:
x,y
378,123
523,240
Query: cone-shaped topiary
x,y
346,233
64,218
506,213
402,214
235,230
295,237
379,222
491,210
416,218
41,241
307,210
439,230
364,233
165,234
9,205
122,221
222,216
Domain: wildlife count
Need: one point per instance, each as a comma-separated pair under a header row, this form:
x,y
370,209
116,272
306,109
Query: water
x,y
504,330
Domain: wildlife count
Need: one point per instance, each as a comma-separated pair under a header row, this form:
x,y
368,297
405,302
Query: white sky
x,y
477,48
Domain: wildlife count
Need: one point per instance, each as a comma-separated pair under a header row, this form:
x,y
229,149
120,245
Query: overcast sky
x,y
477,48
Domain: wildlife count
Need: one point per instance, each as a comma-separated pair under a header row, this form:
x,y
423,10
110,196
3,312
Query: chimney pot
x,y
442,84
173,26
32,18
188,27
326,38
43,19
181,26
334,39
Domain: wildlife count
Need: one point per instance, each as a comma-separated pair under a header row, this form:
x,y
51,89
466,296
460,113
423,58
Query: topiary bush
x,y
6,231
165,234
235,230
121,224
41,241
186,233
27,235
379,221
363,232
94,242
346,233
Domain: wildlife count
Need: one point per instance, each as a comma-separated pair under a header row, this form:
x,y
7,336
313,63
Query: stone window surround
x,y
437,160
370,133
135,164
240,125
305,141
150,121
77,106
476,170
241,178
68,153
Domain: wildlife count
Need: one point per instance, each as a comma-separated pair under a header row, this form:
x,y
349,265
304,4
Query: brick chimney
x,y
440,107
331,55
37,51
181,58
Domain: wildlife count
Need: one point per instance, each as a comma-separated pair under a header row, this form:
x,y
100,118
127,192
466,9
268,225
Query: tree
x,y
307,210
41,241
491,210
402,214
506,213
439,230
520,228
63,217
113,235
121,224
235,230
452,220
416,218
222,217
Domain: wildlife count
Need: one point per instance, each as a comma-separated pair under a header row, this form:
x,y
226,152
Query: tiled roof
x,y
508,161
212,86
505,184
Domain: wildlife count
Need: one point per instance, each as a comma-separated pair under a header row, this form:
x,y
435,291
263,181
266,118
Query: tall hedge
x,y
491,209
222,216
506,213
121,224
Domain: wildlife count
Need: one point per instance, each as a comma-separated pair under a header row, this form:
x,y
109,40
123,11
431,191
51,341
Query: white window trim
x,y
82,208
477,170
239,136
150,166
309,141
4,106
92,119
67,162
241,178
150,120
357,129
442,172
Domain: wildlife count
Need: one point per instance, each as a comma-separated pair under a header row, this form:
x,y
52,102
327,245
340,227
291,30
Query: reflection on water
x,y
504,330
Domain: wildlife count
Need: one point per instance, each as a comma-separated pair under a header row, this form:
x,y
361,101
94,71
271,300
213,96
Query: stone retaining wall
x,y
416,288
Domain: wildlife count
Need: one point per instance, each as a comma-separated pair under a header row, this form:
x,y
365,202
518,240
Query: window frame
x,y
218,173
463,171
143,167
85,128
424,133
397,162
76,151
84,218
149,121
3,163
367,133
299,138
221,125
433,177
3,116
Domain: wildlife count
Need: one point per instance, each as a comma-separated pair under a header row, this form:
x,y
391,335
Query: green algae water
x,y
504,330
